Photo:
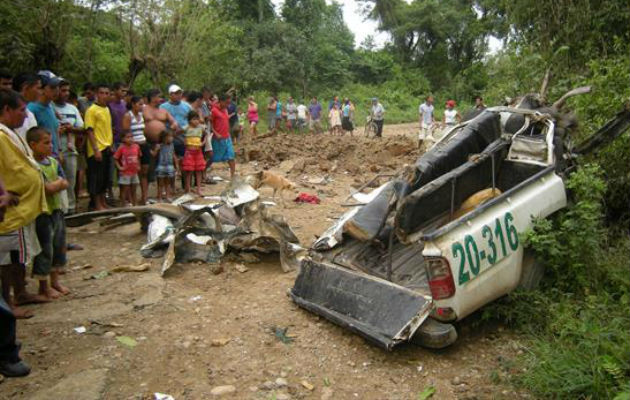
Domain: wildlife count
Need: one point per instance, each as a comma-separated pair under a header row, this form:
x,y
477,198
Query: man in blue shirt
x,y
315,114
179,109
45,112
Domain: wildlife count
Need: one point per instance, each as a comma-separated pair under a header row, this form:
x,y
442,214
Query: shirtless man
x,y
152,111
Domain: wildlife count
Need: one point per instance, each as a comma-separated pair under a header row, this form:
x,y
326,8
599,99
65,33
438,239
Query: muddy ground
x,y
195,331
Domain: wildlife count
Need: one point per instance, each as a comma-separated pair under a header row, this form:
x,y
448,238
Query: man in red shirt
x,y
222,149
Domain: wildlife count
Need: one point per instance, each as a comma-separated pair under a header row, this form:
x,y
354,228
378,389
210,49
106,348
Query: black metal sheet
x,y
382,312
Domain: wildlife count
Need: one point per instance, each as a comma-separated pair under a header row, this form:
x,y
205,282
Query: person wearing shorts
x,y
23,191
134,121
222,149
166,164
50,225
98,125
127,160
193,162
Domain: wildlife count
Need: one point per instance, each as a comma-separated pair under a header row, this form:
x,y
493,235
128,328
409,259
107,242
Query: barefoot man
x,y
24,184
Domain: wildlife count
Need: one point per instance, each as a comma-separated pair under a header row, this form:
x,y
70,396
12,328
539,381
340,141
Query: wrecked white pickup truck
x,y
442,239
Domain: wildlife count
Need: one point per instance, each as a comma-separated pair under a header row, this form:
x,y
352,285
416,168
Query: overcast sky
x,y
355,21
362,27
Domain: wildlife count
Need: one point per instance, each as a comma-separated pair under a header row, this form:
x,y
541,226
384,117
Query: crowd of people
x,y
57,148
429,126
299,118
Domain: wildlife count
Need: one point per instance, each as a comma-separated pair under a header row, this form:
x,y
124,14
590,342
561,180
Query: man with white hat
x,y
179,109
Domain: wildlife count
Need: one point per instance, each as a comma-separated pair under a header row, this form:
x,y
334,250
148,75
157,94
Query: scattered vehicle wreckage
x,y
183,231
441,239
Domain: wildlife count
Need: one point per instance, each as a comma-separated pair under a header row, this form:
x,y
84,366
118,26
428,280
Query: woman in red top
x,y
222,149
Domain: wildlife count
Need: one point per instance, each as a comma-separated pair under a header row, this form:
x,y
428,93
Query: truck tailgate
x,y
382,312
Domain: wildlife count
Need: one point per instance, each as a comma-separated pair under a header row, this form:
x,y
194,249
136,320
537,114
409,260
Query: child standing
x,y
50,226
335,119
193,161
166,164
127,159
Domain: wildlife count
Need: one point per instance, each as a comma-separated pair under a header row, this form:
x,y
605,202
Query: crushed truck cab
x,y
442,239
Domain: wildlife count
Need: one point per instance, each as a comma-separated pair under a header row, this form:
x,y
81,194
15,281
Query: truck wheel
x,y
532,271
434,334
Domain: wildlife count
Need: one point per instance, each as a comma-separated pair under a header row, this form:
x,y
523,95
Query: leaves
x,y
427,393
127,341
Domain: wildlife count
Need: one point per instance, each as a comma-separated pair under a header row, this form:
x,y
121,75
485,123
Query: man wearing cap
x,y
45,112
451,115
179,109
378,116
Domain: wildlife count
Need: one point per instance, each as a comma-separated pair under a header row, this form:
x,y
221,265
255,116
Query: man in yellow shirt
x,y
98,126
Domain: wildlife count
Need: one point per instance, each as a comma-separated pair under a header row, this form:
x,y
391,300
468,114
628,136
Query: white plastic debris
x,y
194,299
364,198
183,199
157,227
239,194
80,329
334,234
199,239
162,396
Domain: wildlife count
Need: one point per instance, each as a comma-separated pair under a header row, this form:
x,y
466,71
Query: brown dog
x,y
278,183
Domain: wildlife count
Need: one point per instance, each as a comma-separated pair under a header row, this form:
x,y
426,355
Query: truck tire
x,y
532,272
434,334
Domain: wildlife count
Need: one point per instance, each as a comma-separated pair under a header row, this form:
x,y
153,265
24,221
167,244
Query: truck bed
x,y
407,262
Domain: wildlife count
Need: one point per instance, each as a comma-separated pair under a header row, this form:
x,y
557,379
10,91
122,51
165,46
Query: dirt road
x,y
194,333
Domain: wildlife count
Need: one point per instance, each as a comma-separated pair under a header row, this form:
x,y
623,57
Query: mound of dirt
x,y
325,153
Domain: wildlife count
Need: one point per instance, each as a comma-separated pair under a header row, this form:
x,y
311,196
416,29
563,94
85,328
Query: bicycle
x,y
370,127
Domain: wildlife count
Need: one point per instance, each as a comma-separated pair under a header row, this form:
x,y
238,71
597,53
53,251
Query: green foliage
x,y
372,67
582,28
570,245
578,322
583,352
443,38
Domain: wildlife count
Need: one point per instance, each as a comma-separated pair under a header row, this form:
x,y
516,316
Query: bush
x,y
578,323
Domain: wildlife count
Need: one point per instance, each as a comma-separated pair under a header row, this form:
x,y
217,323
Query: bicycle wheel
x,y
370,129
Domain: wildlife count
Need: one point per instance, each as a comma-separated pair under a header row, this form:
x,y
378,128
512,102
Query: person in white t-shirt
x,y
30,87
427,120
451,115
301,117
72,124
